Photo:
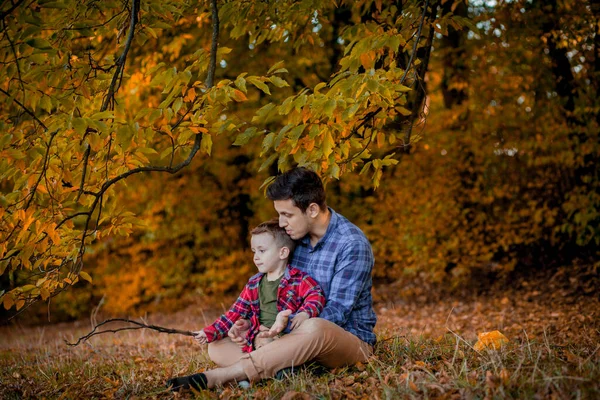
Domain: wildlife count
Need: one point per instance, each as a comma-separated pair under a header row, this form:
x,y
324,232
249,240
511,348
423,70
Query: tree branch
x,y
172,170
28,111
4,14
113,88
129,321
43,172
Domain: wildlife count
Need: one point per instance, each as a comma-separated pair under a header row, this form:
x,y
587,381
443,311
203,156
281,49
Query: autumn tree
x,y
96,93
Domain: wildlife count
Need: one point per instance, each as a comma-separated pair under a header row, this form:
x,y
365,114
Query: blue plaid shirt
x,y
341,263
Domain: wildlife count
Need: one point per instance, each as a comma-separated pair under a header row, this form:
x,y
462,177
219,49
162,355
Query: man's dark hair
x,y
301,185
281,238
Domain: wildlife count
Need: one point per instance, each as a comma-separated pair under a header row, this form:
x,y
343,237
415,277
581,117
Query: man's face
x,y
267,255
295,222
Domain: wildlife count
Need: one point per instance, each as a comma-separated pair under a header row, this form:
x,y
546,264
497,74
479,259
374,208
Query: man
x,y
338,256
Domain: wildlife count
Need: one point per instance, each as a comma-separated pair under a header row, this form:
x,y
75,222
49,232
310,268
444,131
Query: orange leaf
x,y
238,95
494,340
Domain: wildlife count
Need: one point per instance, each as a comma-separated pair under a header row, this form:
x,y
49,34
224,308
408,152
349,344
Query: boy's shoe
x,y
197,382
244,385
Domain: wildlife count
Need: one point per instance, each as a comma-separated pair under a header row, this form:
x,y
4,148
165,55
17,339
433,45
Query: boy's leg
x,y
316,339
224,352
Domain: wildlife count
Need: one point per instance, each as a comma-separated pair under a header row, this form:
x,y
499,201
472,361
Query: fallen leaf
x,y
491,340
291,395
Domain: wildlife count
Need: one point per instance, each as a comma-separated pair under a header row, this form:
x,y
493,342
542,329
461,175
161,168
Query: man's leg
x,y
224,352
316,339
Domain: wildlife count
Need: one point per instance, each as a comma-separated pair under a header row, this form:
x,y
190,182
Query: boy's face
x,y
268,257
295,222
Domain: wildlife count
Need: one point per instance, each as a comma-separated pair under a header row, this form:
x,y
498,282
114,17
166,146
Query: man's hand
x,y
261,341
299,319
200,337
238,332
280,324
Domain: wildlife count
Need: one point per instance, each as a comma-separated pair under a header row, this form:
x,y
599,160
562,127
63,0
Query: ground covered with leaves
x,y
425,350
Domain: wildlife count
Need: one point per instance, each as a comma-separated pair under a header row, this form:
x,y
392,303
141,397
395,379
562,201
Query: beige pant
x,y
315,340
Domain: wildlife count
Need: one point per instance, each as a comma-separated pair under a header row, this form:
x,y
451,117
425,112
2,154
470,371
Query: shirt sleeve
x,y
239,309
352,273
314,298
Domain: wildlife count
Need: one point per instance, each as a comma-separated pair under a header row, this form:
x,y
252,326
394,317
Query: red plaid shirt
x,y
297,292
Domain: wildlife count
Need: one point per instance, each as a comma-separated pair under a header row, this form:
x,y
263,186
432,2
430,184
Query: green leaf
x,y
275,66
277,81
38,43
104,115
80,125
319,86
245,137
206,143
259,84
295,133
55,4
240,82
268,162
329,107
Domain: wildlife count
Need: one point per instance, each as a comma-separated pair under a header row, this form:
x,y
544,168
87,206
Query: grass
x,y
135,364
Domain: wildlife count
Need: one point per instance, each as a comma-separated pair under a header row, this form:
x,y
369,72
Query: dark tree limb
x,y
4,14
139,325
45,166
120,63
27,110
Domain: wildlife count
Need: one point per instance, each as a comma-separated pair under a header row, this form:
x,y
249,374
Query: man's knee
x,y
315,325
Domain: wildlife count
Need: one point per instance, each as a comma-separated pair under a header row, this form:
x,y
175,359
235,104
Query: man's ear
x,y
284,253
313,210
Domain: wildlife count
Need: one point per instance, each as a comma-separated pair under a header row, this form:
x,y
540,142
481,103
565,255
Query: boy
x,y
278,298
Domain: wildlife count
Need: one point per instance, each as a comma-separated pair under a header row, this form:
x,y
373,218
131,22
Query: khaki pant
x,y
315,340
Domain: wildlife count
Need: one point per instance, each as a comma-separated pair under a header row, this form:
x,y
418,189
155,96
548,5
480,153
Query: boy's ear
x,y
284,253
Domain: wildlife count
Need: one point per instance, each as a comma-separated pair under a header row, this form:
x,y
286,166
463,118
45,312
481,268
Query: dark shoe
x,y
197,382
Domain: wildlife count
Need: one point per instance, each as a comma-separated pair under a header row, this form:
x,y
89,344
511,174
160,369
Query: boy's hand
x,y
280,324
200,337
299,319
238,332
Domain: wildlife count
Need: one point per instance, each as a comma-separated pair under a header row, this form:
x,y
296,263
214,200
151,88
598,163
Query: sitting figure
x,y
275,301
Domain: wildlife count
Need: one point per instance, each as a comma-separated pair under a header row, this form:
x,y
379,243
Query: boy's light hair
x,y
272,227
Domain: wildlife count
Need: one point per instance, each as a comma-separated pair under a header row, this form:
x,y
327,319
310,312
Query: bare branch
x,y
139,325
43,172
120,63
86,157
415,44
28,111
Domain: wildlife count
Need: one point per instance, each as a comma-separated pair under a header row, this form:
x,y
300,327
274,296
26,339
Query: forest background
x,y
462,138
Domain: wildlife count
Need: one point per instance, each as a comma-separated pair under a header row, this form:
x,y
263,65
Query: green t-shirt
x,y
267,295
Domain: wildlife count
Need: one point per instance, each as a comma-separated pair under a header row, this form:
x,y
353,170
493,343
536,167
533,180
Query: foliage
x,y
100,99
88,102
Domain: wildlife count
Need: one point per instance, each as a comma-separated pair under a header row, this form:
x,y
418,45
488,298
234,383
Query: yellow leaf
x,y
85,276
44,293
494,340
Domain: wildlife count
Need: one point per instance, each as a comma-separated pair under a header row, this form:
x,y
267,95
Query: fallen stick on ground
x,y
128,328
